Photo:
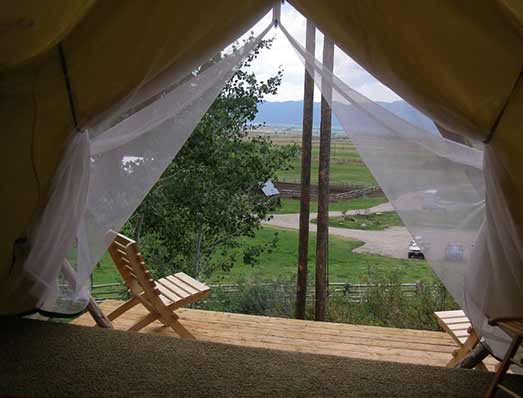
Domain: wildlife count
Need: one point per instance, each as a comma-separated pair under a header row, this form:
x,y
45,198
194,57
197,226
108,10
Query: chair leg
x,y
148,319
172,321
123,308
471,342
505,364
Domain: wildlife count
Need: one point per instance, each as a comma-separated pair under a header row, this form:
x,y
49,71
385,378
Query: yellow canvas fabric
x,y
455,61
29,28
115,47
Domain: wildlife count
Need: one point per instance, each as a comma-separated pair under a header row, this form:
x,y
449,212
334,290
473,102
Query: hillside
x,y
289,114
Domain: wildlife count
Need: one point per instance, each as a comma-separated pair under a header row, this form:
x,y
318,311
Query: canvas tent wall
x,y
114,48
460,65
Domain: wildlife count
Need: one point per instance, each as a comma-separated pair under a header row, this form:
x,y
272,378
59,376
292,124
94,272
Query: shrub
x,y
384,304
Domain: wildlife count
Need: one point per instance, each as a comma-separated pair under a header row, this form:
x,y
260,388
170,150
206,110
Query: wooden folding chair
x,y
514,328
458,326
160,297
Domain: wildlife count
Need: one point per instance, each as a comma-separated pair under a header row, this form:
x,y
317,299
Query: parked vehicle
x,y
415,251
454,251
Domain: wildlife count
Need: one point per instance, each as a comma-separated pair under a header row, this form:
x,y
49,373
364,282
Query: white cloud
x,y
282,54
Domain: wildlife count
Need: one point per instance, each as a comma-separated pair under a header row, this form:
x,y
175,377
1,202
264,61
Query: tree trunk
x,y
138,228
322,236
306,154
197,251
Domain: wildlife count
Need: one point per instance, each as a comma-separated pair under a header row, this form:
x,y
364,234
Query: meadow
x,y
280,264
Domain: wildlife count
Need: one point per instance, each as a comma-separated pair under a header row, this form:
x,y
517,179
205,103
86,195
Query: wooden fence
x,y
337,192
352,292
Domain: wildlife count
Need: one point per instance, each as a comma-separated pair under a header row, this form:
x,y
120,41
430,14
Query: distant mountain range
x,y
288,114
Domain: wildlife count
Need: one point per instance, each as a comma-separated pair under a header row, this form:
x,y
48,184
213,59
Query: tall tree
x,y
306,156
210,196
322,235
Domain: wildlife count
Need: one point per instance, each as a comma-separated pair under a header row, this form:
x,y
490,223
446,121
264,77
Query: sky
x,y
282,54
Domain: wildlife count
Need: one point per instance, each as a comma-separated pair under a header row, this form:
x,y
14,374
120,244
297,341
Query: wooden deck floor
x,y
355,341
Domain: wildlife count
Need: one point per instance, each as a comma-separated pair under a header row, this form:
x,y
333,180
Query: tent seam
x,y
502,112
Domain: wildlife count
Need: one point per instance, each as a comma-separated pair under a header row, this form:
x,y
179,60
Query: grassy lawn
x,y
369,222
105,272
344,265
289,206
346,165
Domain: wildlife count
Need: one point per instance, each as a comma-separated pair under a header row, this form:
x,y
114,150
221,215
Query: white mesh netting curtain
x,y
436,185
107,171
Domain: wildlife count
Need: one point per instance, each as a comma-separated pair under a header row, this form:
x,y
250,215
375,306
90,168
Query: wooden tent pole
x,y
93,308
322,236
306,154
99,317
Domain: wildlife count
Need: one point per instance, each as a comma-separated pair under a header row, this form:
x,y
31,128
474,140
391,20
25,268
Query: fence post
x,y
419,288
347,291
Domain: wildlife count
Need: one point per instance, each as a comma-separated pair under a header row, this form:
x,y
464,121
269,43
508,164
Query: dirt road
x,y
392,242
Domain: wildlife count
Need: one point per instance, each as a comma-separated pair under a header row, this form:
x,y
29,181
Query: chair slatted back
x,y
132,268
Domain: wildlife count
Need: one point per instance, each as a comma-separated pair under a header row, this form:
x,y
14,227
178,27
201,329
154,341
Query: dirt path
x,y
392,242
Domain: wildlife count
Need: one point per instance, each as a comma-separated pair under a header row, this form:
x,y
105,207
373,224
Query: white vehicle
x,y
415,251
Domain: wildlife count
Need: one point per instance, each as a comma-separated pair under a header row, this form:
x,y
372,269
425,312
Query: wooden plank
x,y
171,286
459,326
122,253
461,333
167,293
182,285
124,240
450,321
450,314
119,245
191,281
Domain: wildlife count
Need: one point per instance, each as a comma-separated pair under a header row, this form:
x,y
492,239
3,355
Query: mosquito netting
x,y
436,185
107,171
438,188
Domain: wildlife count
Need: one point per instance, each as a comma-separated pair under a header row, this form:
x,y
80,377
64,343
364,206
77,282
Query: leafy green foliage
x,y
211,194
384,304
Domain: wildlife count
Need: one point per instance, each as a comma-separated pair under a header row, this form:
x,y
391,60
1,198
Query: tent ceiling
x,y
30,28
457,63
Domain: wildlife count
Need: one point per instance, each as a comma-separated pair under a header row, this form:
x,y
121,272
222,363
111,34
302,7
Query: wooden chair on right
x,y
162,297
514,328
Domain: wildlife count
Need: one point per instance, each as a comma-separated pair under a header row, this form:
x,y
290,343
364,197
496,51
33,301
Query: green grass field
x,y
344,265
346,165
368,222
289,206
